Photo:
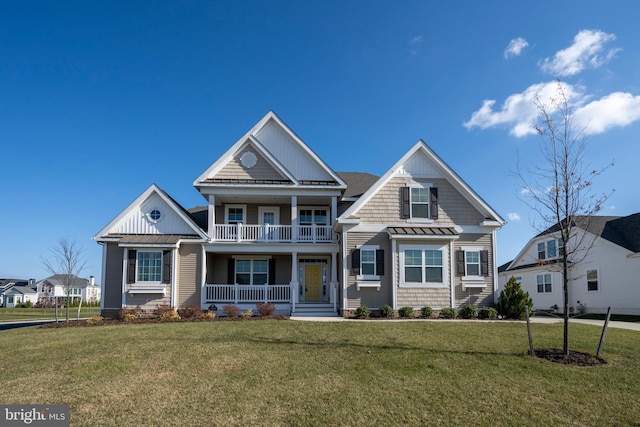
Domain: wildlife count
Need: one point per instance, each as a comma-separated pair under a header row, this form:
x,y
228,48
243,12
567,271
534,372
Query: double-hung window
x,y
419,202
423,265
544,283
235,214
149,268
550,249
592,280
367,264
252,271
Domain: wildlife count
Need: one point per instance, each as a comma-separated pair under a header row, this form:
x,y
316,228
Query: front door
x,y
313,282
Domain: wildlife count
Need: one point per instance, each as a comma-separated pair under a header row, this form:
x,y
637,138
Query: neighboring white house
x,y
53,287
609,276
14,292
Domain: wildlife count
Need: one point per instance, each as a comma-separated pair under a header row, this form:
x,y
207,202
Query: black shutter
x,y
272,271
433,208
460,263
231,271
405,207
484,263
166,266
131,266
355,261
380,262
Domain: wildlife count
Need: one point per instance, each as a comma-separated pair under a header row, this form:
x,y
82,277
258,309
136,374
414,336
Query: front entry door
x,y
313,282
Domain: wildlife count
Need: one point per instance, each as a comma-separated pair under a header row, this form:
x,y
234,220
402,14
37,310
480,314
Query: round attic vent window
x,y
155,214
248,159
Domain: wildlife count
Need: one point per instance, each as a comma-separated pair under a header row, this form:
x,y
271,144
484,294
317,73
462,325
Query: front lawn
x,y
280,372
32,313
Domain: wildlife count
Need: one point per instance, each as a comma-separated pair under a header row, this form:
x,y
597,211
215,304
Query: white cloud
x,y
413,43
513,216
617,109
518,111
515,47
587,50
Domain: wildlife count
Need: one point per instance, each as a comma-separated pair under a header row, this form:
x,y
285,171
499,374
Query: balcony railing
x,y
272,233
247,293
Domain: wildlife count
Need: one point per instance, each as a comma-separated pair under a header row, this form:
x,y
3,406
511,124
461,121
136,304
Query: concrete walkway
x,y
612,324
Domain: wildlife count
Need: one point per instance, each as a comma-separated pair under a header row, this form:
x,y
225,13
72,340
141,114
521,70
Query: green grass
x,y
17,314
312,373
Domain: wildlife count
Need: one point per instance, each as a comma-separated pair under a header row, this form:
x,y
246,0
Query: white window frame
x,y
445,266
368,280
544,288
313,215
597,280
412,217
266,209
244,213
251,272
545,249
138,253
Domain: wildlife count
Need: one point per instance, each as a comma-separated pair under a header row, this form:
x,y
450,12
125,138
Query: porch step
x,y
315,310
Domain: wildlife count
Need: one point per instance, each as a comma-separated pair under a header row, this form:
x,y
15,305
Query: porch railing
x,y
272,233
247,293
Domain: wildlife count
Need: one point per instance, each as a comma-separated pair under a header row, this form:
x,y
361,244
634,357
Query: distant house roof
x,y
622,231
58,280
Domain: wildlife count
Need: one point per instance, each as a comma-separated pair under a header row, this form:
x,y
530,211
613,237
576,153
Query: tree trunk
x,y
565,286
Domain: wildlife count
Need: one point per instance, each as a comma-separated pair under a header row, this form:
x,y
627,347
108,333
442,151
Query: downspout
x,y
174,275
452,274
495,266
103,276
343,241
394,280
124,277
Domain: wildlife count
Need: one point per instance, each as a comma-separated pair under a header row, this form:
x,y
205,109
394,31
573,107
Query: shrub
x,y
513,300
207,315
266,309
27,304
426,312
95,320
191,312
406,312
247,314
162,309
386,311
231,310
127,317
169,316
128,314
448,313
362,312
488,313
469,311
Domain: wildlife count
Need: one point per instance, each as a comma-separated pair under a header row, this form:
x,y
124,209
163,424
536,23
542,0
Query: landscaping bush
x,y
95,320
128,314
488,313
266,309
469,311
406,312
27,304
247,314
449,313
362,312
162,309
207,315
191,311
513,300
386,311
169,316
426,312
231,310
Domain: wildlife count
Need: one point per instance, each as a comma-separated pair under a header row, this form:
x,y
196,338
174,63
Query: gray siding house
x,y
281,226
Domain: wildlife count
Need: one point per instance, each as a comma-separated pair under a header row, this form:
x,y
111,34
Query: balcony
x,y
273,233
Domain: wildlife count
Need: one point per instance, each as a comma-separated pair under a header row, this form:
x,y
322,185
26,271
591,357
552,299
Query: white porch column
x,y
294,281
211,216
294,219
334,281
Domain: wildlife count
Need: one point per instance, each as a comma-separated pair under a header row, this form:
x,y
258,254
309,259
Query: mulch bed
x,y
577,358
144,320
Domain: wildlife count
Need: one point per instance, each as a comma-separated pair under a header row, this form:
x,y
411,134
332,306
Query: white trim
x,y
422,247
368,284
235,206
452,270
463,188
273,209
586,276
424,186
174,274
103,276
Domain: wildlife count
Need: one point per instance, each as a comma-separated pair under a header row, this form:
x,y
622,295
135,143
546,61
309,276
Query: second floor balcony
x,y
273,233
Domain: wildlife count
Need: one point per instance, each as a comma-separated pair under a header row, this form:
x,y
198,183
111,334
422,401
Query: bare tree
x,y
560,190
66,262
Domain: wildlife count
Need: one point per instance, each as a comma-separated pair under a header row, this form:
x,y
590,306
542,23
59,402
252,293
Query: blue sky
x,y
100,99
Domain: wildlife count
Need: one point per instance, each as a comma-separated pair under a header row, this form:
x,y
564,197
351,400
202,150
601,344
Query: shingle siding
x,y
480,296
261,171
369,296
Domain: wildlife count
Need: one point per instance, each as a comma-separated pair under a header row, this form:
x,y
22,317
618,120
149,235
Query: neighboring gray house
x,y
16,292
80,289
281,226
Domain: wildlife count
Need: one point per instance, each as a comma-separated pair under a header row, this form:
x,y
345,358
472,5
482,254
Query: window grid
x,y
149,267
592,280
544,283
419,202
472,263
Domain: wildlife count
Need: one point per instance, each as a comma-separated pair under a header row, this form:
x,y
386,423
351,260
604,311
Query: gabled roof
x,y
442,168
621,231
357,183
283,150
58,280
187,225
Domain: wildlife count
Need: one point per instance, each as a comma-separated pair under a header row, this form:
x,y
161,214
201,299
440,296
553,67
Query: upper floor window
x,y
313,216
419,202
550,249
235,214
